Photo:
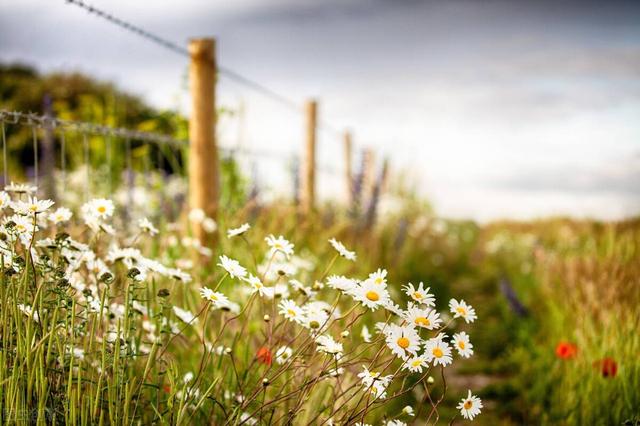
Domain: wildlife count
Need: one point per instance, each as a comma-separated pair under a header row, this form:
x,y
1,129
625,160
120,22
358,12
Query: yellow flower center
x,y
33,207
291,312
213,297
417,295
378,280
373,296
102,209
403,342
416,363
467,405
461,345
437,352
423,321
461,310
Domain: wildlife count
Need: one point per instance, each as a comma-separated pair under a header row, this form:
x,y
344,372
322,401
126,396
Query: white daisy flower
x,y
232,307
403,340
305,290
281,290
177,274
327,345
188,377
335,372
291,311
408,410
349,255
420,294
462,344
461,309
100,208
238,231
283,354
232,266
196,215
28,311
185,316
314,318
5,200
364,333
146,226
342,283
438,351
379,277
218,300
279,245
374,383
258,287
395,423
470,406
209,225
371,295
77,353
129,256
424,318
415,364
31,206
20,188
62,214
23,225
368,376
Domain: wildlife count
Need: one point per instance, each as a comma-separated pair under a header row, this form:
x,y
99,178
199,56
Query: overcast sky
x,y
495,108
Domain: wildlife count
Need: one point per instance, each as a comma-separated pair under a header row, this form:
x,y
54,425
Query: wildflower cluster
x,y
111,327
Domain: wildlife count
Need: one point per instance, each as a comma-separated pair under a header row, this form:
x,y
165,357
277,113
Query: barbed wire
x,y
35,120
175,48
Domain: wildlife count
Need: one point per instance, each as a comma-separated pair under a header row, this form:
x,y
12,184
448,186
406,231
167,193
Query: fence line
x,y
202,128
35,120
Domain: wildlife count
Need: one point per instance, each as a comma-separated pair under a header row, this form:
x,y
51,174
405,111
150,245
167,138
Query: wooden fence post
x,y
369,174
203,154
348,153
308,178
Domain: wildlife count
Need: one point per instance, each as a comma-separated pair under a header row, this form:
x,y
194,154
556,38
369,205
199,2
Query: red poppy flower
x,y
566,350
607,366
264,355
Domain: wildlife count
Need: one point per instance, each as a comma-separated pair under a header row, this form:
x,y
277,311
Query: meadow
x,y
110,318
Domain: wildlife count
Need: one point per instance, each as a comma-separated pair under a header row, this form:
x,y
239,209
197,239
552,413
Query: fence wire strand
x,y
31,119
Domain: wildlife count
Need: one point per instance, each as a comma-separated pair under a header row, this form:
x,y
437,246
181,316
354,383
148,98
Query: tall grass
x,y
583,287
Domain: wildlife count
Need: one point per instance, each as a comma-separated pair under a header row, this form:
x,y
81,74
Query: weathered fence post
x,y
308,178
369,174
348,152
203,154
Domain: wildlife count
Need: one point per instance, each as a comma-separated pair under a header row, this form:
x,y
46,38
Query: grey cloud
x,y
617,178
